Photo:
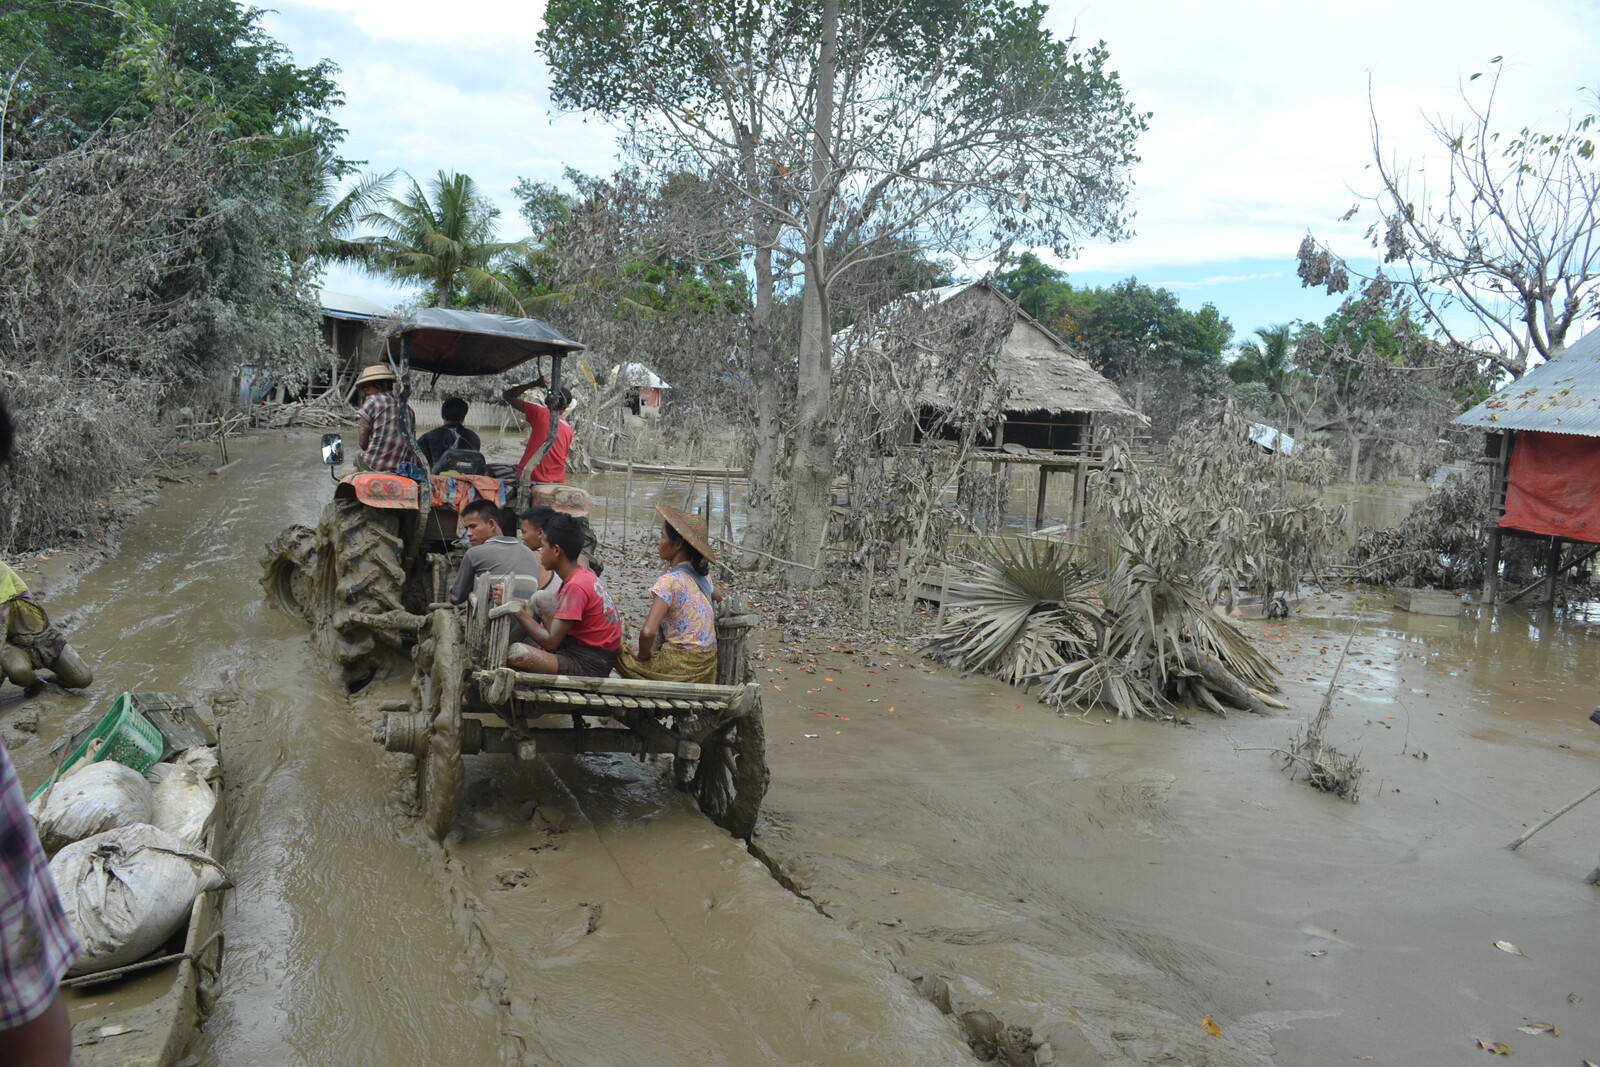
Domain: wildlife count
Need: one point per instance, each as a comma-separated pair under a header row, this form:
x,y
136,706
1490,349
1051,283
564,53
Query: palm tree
x,y
444,238
1268,362
326,218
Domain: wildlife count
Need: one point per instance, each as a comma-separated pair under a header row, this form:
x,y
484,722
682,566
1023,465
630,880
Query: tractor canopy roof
x,y
475,343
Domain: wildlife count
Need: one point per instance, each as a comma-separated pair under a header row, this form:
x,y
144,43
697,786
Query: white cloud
x,y
1260,110
1260,126
1217,279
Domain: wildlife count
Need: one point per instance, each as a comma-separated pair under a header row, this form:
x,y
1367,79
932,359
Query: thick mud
x,y
944,868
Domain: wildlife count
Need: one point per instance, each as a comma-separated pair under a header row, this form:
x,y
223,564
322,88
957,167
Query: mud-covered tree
x,y
151,196
1496,246
833,128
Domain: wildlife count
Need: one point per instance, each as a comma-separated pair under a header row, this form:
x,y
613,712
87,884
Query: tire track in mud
x,y
641,933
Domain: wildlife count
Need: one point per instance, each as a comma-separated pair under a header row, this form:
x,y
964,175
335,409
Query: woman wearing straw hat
x,y
678,642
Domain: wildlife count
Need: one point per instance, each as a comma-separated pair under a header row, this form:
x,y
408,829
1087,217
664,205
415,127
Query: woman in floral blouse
x,y
678,642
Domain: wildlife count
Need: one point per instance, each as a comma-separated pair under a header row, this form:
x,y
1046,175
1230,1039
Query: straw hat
x,y
375,373
692,528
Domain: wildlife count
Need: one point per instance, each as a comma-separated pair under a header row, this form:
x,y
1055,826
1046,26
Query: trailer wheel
x,y
437,689
730,778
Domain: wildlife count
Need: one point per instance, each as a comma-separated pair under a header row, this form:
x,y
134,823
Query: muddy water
x,y
1112,884
944,845
619,927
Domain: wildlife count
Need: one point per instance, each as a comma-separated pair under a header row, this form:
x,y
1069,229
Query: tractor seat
x,y
461,461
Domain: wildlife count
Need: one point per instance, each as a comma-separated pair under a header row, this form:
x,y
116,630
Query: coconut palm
x,y
1268,362
443,237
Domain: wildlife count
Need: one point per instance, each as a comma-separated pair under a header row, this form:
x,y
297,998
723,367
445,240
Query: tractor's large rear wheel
x,y
289,571
361,572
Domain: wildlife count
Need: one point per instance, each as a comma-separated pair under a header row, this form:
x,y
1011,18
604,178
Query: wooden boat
x,y
146,1013
601,463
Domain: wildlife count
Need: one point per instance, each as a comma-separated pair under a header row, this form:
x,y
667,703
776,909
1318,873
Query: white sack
x,y
92,799
183,803
128,890
204,761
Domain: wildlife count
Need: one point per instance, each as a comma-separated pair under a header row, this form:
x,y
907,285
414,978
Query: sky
x,y
1259,133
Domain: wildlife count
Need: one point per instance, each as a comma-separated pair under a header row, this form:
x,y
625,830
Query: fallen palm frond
x,y
1130,638
1017,615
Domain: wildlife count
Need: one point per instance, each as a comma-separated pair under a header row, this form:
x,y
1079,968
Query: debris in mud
x,y
1494,1048
1506,946
551,820
1210,1026
512,878
1534,1026
1326,767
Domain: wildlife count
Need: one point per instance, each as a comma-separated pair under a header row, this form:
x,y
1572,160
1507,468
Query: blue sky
x,y
1260,127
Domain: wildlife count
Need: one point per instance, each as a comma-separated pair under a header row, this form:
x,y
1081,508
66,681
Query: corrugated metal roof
x,y
1561,395
345,306
1273,439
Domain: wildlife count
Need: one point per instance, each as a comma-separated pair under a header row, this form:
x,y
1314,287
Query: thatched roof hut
x,y
1051,393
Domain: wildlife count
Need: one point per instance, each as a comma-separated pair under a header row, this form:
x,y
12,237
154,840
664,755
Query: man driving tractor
x,y
384,439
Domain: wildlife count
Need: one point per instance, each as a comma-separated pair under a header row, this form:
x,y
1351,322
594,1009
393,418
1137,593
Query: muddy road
x,y
939,858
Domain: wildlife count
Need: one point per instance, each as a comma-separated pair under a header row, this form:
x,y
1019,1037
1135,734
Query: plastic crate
x,y
122,735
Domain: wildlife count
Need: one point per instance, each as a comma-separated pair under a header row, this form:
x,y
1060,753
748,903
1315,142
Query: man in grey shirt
x,y
492,551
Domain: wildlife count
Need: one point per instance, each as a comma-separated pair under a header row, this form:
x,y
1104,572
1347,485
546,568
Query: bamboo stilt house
x,y
1544,445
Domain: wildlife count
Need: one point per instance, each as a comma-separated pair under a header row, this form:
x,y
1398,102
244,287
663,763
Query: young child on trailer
x,y
678,642
585,633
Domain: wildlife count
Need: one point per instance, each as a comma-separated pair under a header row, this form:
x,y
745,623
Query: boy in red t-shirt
x,y
586,633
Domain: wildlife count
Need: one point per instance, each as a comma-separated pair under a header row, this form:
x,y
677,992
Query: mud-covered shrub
x,y
77,441
1440,543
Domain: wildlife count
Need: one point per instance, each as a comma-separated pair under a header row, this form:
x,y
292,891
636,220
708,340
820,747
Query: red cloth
x,y
553,467
458,490
1553,486
584,601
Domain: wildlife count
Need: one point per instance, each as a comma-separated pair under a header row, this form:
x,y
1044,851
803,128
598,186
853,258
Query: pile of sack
x,y
128,854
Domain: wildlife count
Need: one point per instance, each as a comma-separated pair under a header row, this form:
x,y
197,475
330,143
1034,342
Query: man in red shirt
x,y
584,637
549,463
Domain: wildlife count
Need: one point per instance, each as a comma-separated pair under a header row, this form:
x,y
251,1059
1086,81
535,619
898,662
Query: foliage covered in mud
x,y
1130,624
1440,543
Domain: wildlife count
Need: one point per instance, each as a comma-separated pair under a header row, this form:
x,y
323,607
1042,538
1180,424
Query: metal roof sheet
x,y
346,306
1560,395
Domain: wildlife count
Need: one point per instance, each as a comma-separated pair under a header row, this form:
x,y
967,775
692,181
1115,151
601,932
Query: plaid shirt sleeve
x,y
37,944
387,448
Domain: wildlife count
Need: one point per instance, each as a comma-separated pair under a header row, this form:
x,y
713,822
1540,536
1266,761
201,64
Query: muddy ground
x,y
939,858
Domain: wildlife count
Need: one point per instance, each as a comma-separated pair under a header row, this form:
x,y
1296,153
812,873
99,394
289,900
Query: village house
x,y
1544,445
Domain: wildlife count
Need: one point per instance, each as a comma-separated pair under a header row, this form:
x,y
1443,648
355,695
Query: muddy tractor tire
x,y
730,778
289,571
362,573
438,687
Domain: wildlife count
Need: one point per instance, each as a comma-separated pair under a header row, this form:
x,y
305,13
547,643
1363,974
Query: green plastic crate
x,y
122,735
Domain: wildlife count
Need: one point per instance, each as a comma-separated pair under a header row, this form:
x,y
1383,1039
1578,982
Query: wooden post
x,y
997,515
1491,566
1552,567
627,503
1497,501
1038,510
727,506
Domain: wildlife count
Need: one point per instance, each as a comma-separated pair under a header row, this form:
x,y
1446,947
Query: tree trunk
x,y
1221,681
764,513
1355,458
813,454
